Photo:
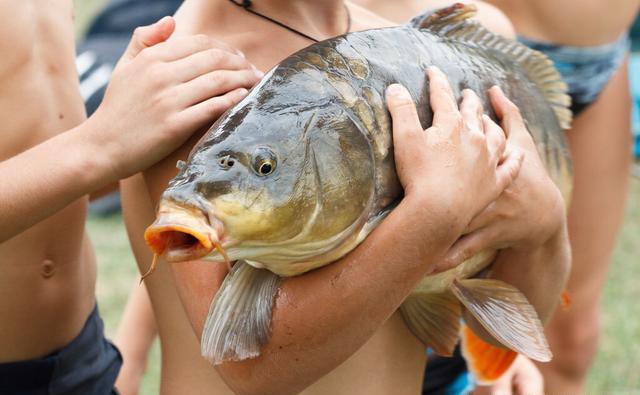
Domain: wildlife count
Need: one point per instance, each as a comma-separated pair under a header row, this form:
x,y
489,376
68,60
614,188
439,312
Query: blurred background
x,y
617,367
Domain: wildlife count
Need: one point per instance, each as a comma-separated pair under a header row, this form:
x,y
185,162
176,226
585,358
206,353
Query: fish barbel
x,y
302,170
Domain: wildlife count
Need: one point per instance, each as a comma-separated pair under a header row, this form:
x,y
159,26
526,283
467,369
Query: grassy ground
x,y
617,365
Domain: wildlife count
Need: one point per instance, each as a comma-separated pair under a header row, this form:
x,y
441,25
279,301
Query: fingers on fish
x,y
443,102
471,110
403,110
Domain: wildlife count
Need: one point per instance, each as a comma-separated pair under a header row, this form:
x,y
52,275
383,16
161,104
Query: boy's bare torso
x,y
47,273
392,361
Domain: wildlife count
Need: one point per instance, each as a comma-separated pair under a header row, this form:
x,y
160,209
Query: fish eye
x,y
264,161
226,162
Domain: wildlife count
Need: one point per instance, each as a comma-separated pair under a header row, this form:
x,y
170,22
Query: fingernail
x,y
433,70
395,90
163,19
241,53
258,73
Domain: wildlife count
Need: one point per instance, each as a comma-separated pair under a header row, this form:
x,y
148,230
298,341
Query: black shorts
x,y
88,365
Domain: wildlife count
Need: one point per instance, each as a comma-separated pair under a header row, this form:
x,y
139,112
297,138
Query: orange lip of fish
x,y
181,234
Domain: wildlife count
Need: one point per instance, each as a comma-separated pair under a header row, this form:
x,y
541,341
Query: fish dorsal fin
x,y
443,16
454,23
506,314
434,319
239,317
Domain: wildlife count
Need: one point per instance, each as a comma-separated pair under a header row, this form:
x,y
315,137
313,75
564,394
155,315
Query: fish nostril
x,y
226,162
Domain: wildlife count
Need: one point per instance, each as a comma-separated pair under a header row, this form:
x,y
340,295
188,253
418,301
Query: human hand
x,y
529,212
457,166
162,91
522,378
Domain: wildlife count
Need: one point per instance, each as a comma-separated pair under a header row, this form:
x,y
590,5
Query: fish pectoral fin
x,y
506,314
239,317
434,319
485,361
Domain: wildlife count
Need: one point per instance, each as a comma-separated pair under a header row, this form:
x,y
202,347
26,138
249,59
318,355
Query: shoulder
x,y
363,19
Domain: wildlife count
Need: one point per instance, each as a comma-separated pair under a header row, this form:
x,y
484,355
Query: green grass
x,y
617,367
614,372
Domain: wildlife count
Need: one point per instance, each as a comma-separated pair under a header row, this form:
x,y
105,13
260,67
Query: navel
x,y
48,268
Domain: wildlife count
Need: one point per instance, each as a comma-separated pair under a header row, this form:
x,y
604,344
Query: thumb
x,y
148,36
506,110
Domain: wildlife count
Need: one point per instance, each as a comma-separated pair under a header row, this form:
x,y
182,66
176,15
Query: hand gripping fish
x,y
301,171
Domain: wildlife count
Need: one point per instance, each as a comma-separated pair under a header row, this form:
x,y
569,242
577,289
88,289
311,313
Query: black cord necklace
x,y
246,4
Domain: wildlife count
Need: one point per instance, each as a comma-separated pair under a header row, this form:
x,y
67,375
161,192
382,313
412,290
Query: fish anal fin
x,y
485,361
239,318
454,23
506,314
434,319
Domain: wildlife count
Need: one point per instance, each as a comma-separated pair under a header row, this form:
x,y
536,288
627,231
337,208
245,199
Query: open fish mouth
x,y
181,234
177,243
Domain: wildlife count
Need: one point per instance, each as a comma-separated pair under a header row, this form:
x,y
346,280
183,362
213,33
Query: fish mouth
x,y
181,233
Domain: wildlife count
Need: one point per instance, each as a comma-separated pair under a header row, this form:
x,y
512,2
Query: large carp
x,y
300,172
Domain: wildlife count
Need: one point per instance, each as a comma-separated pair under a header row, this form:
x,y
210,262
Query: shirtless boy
x,y
51,338
349,341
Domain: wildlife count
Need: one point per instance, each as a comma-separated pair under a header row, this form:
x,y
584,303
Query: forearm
x,y
48,177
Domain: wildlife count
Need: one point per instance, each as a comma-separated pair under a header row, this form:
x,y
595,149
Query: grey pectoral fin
x,y
239,317
434,319
506,314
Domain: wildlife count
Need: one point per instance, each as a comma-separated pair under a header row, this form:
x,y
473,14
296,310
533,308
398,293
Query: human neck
x,y
318,19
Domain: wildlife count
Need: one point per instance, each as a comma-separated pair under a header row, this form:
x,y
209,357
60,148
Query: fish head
x,y
268,183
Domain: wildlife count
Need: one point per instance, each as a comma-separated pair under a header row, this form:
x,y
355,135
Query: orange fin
x,y
486,362
434,319
565,300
